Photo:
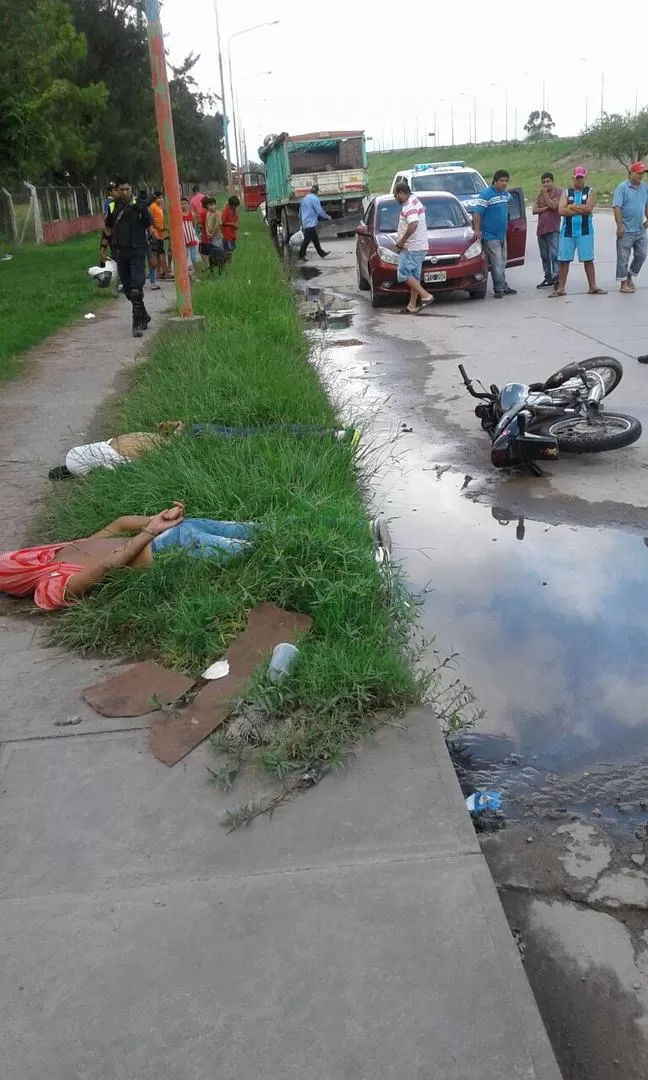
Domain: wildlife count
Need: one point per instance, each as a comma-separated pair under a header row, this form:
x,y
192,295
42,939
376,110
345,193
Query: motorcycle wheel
x,y
610,370
607,431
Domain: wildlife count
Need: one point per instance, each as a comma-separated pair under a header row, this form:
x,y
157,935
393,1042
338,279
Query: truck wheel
x,y
285,228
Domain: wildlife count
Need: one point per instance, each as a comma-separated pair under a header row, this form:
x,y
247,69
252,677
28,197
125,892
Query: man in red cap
x,y
630,204
577,232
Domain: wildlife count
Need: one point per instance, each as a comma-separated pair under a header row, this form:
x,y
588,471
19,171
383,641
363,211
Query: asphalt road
x,y
539,586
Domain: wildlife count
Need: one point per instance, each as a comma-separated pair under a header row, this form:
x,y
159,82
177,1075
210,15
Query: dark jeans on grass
x,y
226,432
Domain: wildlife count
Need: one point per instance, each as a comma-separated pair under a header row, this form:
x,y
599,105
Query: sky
x,y
400,72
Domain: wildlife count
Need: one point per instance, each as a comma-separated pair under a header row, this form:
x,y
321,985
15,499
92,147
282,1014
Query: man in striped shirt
x,y
490,222
412,246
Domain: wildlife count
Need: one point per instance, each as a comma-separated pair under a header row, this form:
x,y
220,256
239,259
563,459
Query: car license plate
x,y
434,275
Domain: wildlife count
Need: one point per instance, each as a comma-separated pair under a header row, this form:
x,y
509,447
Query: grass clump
x,y
42,288
314,553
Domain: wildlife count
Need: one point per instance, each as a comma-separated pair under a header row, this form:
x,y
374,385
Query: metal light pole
x,y
452,123
166,140
228,159
239,33
241,149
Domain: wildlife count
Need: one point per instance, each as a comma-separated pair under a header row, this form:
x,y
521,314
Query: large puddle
x,y
548,621
550,624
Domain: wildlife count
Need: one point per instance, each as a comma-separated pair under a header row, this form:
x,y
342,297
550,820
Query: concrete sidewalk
x,y
357,935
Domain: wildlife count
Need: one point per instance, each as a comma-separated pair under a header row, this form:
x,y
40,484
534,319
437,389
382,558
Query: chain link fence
x,y
46,214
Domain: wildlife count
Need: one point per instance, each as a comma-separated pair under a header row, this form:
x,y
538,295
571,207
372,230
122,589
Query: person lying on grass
x,y
58,574
122,449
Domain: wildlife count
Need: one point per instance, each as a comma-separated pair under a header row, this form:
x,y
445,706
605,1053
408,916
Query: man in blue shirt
x,y
490,222
310,212
630,204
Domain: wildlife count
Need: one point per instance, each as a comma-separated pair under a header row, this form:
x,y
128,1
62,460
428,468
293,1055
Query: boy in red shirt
x,y
229,225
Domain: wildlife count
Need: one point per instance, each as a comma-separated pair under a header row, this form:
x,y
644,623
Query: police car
x,y
453,176
466,183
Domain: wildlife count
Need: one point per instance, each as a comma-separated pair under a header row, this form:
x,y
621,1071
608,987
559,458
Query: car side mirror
x,y
362,230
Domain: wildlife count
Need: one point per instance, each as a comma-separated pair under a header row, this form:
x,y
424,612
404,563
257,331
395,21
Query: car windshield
x,y
439,214
459,183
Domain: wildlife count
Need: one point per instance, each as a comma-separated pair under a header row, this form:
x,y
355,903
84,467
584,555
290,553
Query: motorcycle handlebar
x,y
469,386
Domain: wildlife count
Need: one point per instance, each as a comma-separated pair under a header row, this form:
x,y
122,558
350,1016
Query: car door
x,y
516,233
365,241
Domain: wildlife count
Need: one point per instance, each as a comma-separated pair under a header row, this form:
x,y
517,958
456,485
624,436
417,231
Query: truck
x,y
335,160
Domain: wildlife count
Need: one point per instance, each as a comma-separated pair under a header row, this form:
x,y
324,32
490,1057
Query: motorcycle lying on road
x,y
529,423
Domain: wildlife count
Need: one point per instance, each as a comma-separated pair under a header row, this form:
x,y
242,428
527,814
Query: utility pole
x,y
452,123
228,159
168,160
602,94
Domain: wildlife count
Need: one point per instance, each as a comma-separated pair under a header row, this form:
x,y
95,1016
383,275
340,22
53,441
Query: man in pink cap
x,y
577,232
630,204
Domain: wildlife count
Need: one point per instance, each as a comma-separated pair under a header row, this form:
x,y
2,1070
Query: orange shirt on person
x,y
157,217
33,570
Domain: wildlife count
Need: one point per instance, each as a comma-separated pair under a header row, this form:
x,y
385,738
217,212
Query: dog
x,y
217,258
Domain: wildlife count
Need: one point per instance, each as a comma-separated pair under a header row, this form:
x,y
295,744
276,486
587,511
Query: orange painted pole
x,y
168,159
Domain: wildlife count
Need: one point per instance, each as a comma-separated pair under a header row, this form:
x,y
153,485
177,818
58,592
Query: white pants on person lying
x,y
99,455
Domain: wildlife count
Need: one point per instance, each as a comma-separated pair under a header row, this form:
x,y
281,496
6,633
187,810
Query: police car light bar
x,y
439,165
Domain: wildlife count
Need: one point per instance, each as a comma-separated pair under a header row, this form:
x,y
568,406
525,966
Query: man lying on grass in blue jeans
x,y
56,575
122,449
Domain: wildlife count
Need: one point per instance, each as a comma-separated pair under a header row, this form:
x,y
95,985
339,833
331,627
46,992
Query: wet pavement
x,y
537,584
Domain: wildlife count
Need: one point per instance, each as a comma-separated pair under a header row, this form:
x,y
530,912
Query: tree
x,y
540,125
118,53
622,137
198,134
49,117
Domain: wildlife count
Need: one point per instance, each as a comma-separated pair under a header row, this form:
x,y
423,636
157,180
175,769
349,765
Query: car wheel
x,y
363,284
480,293
377,298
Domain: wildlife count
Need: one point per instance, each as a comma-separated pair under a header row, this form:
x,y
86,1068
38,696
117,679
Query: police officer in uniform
x,y
126,231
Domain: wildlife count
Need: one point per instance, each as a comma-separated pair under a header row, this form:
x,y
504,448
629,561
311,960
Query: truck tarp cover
x,y
312,147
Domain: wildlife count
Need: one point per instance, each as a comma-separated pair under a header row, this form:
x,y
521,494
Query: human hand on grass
x,y
166,519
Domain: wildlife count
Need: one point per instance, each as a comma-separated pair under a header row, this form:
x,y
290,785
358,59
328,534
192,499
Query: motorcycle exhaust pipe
x,y
596,392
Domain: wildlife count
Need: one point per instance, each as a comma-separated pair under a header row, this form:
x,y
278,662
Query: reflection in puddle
x,y
553,639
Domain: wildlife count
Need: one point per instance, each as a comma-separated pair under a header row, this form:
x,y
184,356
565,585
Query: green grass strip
x,y
315,554
42,288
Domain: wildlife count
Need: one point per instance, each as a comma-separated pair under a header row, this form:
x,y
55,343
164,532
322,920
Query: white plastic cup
x,y
282,661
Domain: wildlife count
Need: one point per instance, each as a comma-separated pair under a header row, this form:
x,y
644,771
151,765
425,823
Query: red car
x,y
455,259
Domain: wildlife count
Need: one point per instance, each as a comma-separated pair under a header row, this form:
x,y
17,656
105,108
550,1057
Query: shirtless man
x,y
58,574
120,450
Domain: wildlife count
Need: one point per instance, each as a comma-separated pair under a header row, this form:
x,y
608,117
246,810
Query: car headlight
x,y
474,250
387,255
